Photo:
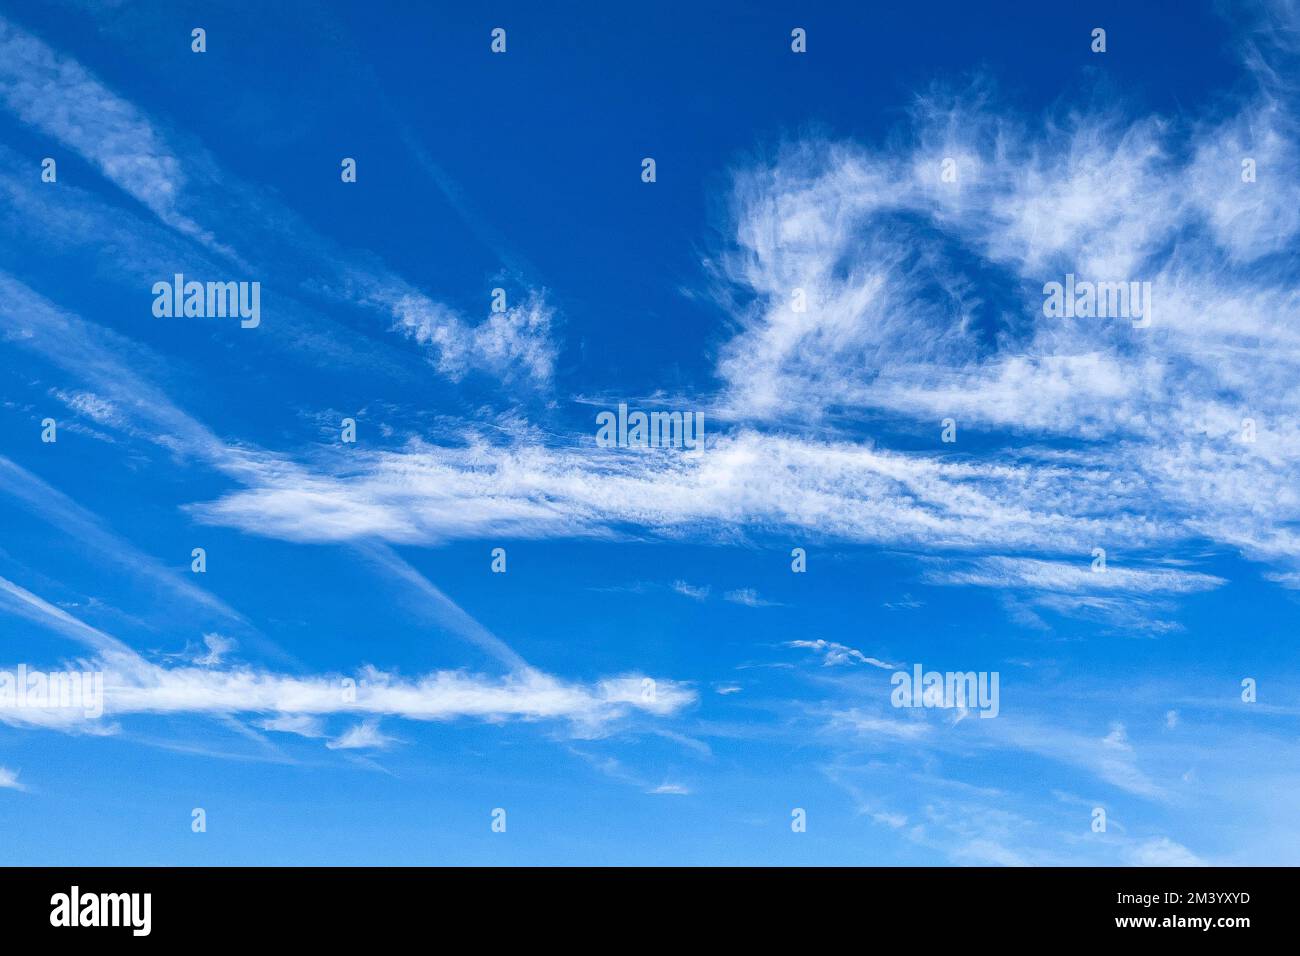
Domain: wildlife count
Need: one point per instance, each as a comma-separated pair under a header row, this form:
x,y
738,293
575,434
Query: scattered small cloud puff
x,y
300,724
1163,851
834,654
675,789
750,598
363,736
690,590
217,648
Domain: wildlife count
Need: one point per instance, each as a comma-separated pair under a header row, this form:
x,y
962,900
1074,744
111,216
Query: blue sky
x,y
649,682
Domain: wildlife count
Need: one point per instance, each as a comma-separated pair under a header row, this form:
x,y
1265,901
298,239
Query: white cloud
x,y
298,724
217,647
1288,579
690,590
833,654
675,789
428,493
517,338
895,324
749,597
1119,595
61,98
90,405
987,852
747,479
1112,758
1073,577
862,724
1163,851
176,180
9,780
363,736
132,685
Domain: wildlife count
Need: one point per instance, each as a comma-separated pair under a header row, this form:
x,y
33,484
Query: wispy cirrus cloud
x,y
833,653
60,97
997,571
9,780
749,597
1162,851
72,519
1134,598
182,184
696,593
860,297
672,789
134,686
363,736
